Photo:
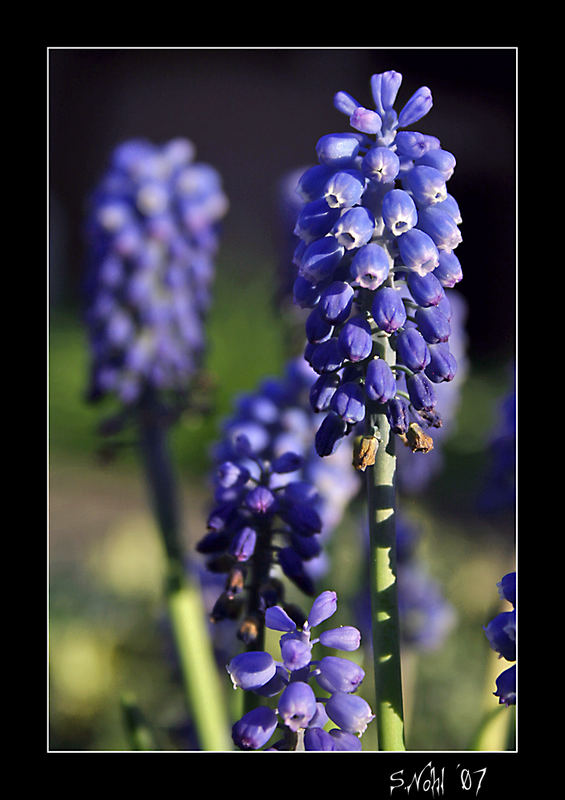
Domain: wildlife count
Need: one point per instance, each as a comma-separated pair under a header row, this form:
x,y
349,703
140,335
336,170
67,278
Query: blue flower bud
x,y
287,462
443,365
345,741
345,103
317,739
388,310
344,189
506,686
448,271
320,718
433,324
421,392
297,705
277,619
507,588
302,518
365,120
305,294
307,547
349,402
397,415
337,148
349,711
441,160
427,185
322,391
412,350
416,108
418,251
354,228
380,383
413,145
251,669
381,165
369,266
425,289
255,728
441,226
260,500
310,185
501,633
390,84
320,259
336,301
292,566
295,652
243,545
323,607
399,211
317,328
326,356
339,674
315,219
355,339
451,206
345,637
329,434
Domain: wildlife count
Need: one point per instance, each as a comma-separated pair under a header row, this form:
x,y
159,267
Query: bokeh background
x,y
255,115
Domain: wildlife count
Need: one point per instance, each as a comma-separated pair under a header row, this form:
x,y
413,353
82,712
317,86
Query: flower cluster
x,y
377,232
501,634
274,499
300,713
153,234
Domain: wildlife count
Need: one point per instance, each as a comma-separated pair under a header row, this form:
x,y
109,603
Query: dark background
x,y
257,113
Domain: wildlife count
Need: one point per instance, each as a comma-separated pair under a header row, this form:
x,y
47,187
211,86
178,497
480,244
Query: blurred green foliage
x,y
107,628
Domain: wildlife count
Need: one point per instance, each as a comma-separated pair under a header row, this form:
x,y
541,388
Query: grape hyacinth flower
x,y
275,501
377,234
303,712
381,257
152,235
501,634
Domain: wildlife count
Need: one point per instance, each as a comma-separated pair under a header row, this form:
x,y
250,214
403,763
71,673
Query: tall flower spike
x,y
274,501
152,234
300,715
385,263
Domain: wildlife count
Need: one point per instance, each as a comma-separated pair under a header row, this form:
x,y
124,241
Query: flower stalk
x,y
381,500
202,688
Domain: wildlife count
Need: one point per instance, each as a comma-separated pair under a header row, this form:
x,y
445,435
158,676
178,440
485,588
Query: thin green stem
x,y
137,729
381,500
203,691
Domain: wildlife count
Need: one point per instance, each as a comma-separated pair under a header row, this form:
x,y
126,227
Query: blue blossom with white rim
x,y
501,635
377,234
152,235
303,712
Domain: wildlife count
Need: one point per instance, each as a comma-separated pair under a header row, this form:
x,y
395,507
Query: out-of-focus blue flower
x,y
498,492
275,500
152,235
501,635
310,691
377,231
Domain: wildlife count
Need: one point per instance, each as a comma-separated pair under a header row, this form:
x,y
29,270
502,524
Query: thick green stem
x,y
203,690
381,499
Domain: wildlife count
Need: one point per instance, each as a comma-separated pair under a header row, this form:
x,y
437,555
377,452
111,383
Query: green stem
x,y
203,692
138,732
381,501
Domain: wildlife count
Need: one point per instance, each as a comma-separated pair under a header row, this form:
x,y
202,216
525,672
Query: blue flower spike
x,y
381,256
311,692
